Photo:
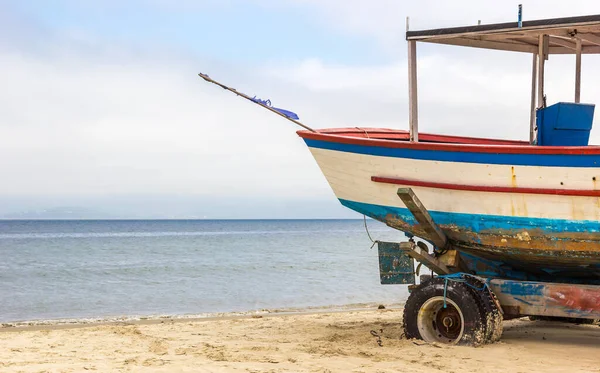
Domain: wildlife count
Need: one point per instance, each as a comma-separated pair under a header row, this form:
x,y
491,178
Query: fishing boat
x,y
532,205
513,226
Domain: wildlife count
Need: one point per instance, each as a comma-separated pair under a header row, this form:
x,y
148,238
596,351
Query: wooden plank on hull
x,y
412,202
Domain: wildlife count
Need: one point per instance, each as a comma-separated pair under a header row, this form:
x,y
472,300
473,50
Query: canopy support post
x,y
542,57
533,96
413,114
577,70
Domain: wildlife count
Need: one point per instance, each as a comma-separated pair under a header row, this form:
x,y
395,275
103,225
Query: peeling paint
x,y
548,299
395,266
522,289
580,299
524,236
547,250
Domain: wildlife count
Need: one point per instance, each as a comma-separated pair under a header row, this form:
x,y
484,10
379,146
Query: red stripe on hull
x,y
399,139
481,188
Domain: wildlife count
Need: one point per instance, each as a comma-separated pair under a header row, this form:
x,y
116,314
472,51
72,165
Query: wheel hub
x,y
448,322
440,320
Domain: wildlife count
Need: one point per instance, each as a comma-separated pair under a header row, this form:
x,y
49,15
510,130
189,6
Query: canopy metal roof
x,y
563,34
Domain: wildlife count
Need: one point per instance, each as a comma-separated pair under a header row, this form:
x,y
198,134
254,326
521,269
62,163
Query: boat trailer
x,y
461,306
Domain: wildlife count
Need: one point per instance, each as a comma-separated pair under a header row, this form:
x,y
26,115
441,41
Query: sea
x,y
103,269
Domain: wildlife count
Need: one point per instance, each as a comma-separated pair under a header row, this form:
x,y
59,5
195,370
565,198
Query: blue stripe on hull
x,y
478,223
549,160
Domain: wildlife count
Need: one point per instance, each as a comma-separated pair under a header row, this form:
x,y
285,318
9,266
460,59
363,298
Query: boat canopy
x,y
563,34
541,38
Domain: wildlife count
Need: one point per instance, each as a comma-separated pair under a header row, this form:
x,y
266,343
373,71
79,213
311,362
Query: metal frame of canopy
x,y
541,38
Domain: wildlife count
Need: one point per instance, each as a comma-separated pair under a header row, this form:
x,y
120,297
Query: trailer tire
x,y
489,307
460,322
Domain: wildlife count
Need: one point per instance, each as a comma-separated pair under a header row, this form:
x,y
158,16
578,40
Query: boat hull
x,y
535,214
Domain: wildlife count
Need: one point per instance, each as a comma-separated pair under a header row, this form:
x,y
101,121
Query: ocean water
x,y
99,269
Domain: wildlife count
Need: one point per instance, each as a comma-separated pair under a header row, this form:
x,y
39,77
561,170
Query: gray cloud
x,y
133,132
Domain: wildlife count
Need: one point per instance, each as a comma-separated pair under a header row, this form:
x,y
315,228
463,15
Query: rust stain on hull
x,y
522,248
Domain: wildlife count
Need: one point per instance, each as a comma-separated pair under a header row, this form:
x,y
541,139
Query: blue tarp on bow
x,y
287,113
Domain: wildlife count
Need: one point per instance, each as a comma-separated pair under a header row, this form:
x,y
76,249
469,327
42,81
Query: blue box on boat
x,y
565,124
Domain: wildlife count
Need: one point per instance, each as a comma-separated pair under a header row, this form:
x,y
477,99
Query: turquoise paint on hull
x,y
478,223
497,260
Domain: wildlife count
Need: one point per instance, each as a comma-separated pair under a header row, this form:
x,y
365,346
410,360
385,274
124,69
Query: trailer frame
x,y
514,297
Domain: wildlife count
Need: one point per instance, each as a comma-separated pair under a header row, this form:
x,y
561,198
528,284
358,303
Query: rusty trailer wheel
x,y
452,316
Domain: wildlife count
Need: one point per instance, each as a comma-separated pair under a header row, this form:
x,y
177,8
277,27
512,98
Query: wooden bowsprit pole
x,y
265,103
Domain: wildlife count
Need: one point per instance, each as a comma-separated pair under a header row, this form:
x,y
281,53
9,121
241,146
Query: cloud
x,y
128,126
108,124
83,119
461,91
478,93
385,20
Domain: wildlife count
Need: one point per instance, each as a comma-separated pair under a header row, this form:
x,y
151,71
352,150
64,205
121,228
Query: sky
x,y
102,113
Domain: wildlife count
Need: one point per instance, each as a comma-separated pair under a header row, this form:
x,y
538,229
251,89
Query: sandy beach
x,y
316,342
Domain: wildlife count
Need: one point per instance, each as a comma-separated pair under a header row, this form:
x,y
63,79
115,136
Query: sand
x,y
318,342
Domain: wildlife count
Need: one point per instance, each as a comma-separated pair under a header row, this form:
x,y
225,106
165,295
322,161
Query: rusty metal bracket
x,y
421,255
